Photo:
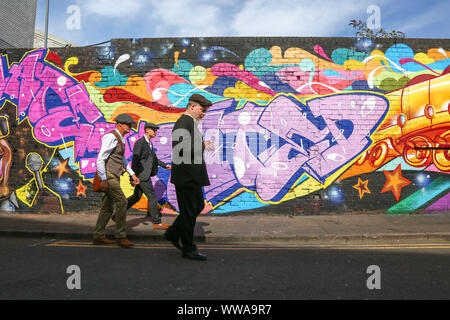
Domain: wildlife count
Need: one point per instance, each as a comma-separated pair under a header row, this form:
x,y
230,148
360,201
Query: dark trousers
x,y
146,187
191,203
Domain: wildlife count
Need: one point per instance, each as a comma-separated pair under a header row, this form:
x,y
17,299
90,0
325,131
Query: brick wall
x,y
300,125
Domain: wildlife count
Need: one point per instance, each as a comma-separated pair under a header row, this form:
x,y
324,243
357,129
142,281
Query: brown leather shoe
x,y
102,241
124,243
162,226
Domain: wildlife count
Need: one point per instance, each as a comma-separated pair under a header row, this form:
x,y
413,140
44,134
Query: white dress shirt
x,y
109,142
149,142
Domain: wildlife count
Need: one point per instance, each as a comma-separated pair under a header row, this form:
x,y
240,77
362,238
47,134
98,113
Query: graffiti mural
x,y
295,128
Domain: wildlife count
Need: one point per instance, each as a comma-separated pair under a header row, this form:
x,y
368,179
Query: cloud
x,y
187,18
113,8
296,18
105,19
428,21
205,18
253,17
164,18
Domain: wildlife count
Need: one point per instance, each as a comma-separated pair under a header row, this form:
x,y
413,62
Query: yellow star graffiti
x,y
362,187
62,167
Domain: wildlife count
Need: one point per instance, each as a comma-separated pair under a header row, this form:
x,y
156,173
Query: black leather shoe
x,y
194,255
173,240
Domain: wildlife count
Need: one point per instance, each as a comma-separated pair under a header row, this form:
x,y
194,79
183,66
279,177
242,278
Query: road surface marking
x,y
377,246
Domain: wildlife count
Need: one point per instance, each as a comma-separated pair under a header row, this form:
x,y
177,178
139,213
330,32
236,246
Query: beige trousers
x,y
113,201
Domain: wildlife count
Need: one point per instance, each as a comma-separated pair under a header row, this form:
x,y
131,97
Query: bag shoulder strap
x,y
118,138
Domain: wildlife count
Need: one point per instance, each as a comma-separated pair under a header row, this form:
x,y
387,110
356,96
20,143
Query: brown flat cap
x,y
201,100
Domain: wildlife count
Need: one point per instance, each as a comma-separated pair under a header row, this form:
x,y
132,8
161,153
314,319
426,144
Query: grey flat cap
x,y
125,118
201,100
151,125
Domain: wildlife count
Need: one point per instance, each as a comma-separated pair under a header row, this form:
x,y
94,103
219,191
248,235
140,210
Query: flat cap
x,y
151,125
201,100
124,118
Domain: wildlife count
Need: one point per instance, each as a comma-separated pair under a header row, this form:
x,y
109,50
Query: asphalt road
x,y
38,269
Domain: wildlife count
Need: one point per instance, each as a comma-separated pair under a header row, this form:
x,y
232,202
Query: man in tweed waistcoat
x,y
110,163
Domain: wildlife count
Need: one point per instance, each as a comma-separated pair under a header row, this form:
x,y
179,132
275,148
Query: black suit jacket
x,y
145,162
191,168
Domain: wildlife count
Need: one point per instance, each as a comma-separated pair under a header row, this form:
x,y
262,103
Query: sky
x,y
86,22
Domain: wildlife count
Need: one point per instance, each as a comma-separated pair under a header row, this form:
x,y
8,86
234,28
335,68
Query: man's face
x,y
126,127
150,132
198,111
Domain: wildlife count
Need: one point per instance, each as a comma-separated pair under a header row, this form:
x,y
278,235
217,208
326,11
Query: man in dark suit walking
x,y
189,175
145,165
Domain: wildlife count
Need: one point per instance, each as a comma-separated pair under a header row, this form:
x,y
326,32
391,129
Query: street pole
x,y
46,25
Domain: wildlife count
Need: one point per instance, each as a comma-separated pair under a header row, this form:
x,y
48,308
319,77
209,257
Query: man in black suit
x,y
189,175
145,165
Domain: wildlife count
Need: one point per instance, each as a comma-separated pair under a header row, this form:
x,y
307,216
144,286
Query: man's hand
x,y
104,185
169,167
136,180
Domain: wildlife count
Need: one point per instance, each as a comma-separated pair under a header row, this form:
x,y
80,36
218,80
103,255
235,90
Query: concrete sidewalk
x,y
244,229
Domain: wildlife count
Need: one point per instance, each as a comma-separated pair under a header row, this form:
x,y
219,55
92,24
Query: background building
x,y
52,40
17,21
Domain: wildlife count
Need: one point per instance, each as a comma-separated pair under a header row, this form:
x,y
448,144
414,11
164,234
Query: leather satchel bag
x,y
97,185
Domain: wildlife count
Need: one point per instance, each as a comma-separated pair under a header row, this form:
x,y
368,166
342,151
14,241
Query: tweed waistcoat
x,y
114,164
